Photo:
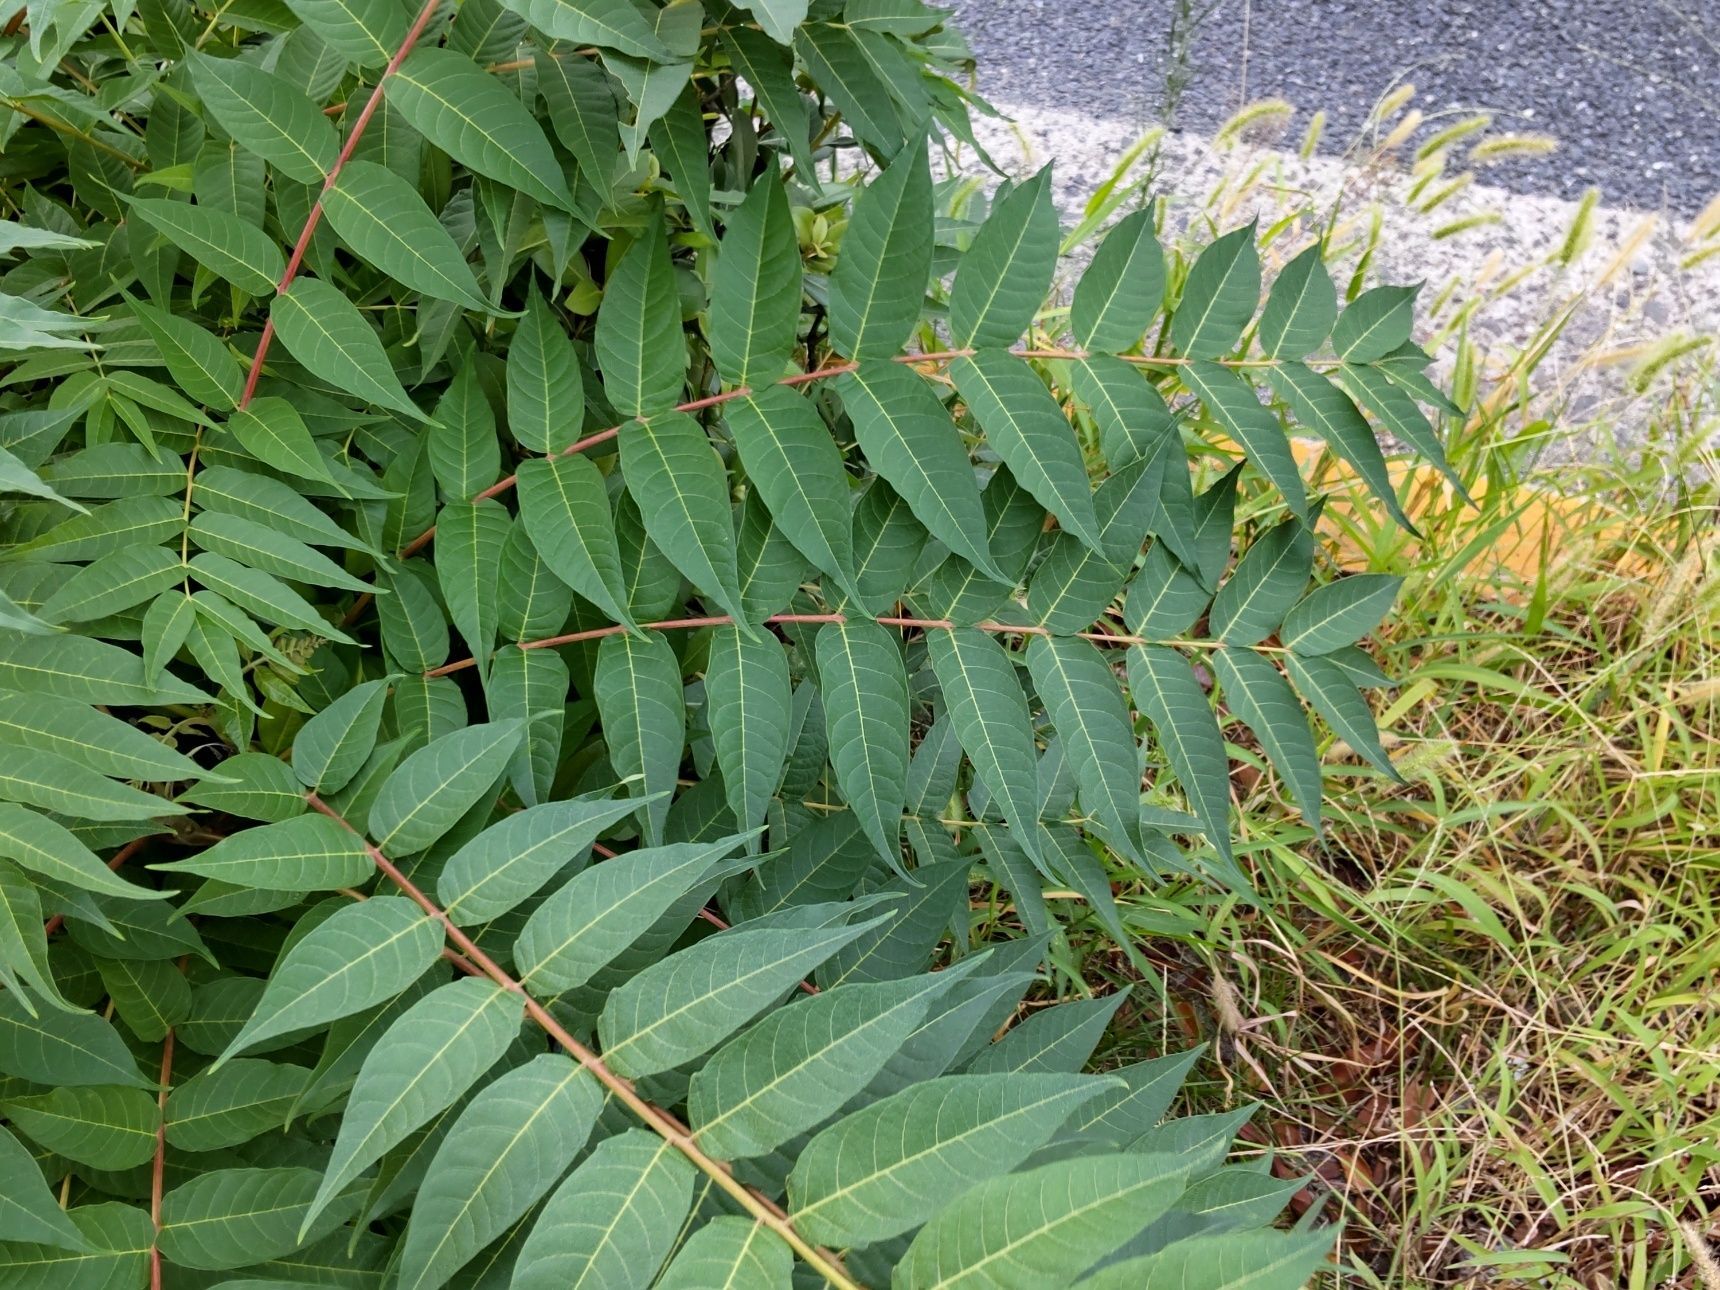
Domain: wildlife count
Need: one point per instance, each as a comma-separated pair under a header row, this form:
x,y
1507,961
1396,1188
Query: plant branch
x,y
315,215
761,1207
158,1169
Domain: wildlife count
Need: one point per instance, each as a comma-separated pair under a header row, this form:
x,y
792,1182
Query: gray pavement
x,y
1630,88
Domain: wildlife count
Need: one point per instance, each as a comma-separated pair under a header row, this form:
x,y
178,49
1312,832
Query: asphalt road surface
x,y
1630,88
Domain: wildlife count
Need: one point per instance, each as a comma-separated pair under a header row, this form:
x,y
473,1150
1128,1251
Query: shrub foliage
x,y
545,561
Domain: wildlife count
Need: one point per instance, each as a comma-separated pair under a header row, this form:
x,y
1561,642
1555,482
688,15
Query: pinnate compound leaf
x,y
359,956
565,510
510,1145
864,686
682,490
747,698
602,910
880,278
1300,308
268,115
985,699
730,1251
104,1126
755,288
1339,613
640,345
802,1063
435,1051
685,1005
468,114
1166,692
613,1222
1219,297
638,690
333,745
28,1211
384,220
325,331
879,1171
1041,1227
905,432
1002,279
1026,427
510,861
1122,289
435,786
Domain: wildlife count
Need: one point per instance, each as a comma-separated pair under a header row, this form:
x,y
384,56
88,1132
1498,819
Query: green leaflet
x,y
640,346
1081,692
1166,692
27,1208
1232,403
454,104
986,702
612,24
384,220
546,397
324,330
685,1005
905,432
1002,278
231,1104
108,1126
802,1063
1322,406
1122,289
747,707
267,115
1334,695
365,31
202,365
1027,428
45,847
87,671
755,288
1038,1227
508,1147
68,1050
1300,308
638,690
116,1240
880,280
1375,323
306,853
433,788
865,691
678,139
602,910
512,859
1219,297
233,1218
1267,581
612,1223
221,241
565,511
1263,700
24,942
793,461
779,18
1227,1261
333,745
1339,613
357,957
682,490
879,1171
435,1050
114,585
469,540
274,433
730,1251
